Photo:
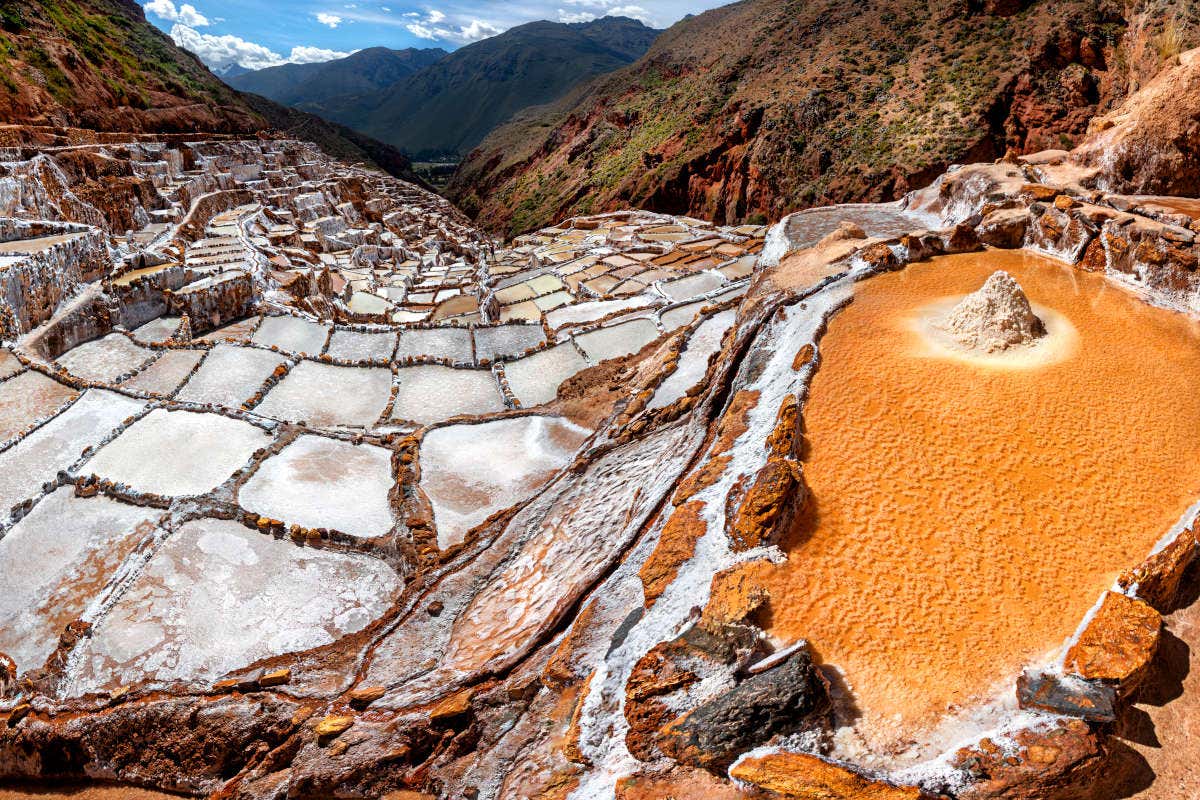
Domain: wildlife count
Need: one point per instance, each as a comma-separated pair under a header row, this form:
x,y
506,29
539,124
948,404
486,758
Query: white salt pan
x,y
618,340
178,453
325,483
471,471
55,561
291,334
104,360
217,597
536,378
693,362
58,444
430,393
165,374
230,375
354,345
325,395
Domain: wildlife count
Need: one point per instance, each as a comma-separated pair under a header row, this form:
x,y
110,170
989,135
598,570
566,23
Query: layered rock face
x,y
995,318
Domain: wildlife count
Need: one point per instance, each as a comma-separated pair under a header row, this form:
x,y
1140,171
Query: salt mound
x,y
995,318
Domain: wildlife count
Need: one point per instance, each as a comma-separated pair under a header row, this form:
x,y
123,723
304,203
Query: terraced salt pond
x,y
51,571
535,379
167,373
217,596
28,397
325,396
178,453
291,334
967,515
506,341
430,393
617,340
230,375
106,359
346,345
57,445
693,362
471,471
325,483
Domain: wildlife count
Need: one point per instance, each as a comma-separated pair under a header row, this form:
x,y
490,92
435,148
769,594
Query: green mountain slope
x,y
448,107
99,64
308,86
762,107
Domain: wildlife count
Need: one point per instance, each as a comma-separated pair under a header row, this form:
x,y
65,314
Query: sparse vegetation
x,y
851,106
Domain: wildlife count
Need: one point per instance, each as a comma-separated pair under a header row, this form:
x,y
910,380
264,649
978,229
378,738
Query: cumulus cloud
x,y
633,12
185,14
604,8
222,51
575,16
332,20
432,26
315,55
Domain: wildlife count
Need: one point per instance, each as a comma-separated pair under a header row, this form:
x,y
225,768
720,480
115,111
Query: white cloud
x,y
431,27
476,30
221,51
604,8
314,55
575,16
185,14
332,20
633,12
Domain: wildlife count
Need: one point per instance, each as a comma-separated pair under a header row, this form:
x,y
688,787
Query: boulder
x,y
778,701
810,777
1156,580
1056,761
1118,644
1068,695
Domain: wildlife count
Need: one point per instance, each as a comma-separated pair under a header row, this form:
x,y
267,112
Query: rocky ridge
x,y
760,108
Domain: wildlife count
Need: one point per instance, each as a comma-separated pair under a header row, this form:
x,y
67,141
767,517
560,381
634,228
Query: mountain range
x,y
430,103
762,107
99,64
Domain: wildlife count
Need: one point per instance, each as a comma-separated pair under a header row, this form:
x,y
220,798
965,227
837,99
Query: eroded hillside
x,y
763,107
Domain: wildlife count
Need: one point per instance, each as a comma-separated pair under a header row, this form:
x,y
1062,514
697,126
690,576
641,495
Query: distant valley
x,y
437,106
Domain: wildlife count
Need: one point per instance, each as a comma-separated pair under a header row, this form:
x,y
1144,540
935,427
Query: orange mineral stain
x,y
967,515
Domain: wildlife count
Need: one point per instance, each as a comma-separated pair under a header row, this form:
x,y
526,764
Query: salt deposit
x,y
178,453
995,318
472,471
217,597
323,395
325,483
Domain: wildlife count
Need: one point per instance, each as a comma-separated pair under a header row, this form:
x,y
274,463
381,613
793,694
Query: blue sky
x,y
263,33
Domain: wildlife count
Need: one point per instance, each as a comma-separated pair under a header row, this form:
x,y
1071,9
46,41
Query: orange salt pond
x,y
968,512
